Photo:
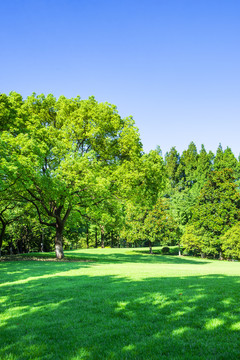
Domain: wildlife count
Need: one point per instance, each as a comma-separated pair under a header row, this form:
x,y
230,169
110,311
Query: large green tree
x,y
65,153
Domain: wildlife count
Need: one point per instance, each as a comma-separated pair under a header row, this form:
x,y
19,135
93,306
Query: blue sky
x,y
174,65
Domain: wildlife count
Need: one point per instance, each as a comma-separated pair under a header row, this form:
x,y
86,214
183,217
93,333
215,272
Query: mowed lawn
x,y
123,304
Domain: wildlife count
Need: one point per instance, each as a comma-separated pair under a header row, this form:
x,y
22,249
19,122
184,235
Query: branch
x,y
88,217
41,202
38,211
7,207
67,213
14,182
78,191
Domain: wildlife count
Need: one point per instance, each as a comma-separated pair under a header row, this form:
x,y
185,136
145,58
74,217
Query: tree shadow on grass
x,y
137,257
23,270
107,317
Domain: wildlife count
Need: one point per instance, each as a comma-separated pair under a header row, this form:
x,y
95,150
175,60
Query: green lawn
x,y
124,304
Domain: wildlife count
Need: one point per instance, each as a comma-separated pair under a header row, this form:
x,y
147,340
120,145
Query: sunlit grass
x,y
124,304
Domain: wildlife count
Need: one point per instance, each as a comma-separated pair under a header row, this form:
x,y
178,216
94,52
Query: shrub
x,y
165,250
174,250
190,239
230,242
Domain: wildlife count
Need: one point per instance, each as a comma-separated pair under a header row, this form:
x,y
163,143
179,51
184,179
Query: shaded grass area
x,y
125,306
123,255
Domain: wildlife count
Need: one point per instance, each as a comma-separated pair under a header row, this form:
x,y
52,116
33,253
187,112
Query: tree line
x,y
73,173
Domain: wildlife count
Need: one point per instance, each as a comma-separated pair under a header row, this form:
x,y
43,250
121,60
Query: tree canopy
x,y
64,154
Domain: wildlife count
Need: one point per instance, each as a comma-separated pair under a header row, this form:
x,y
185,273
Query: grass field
x,y
123,304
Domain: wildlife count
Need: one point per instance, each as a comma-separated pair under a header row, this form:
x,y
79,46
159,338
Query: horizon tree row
x,y
73,173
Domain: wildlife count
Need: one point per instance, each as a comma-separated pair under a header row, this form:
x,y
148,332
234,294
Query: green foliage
x,y
191,240
182,204
76,168
156,224
67,153
225,160
172,160
204,166
199,241
230,242
217,210
192,170
188,165
218,205
160,225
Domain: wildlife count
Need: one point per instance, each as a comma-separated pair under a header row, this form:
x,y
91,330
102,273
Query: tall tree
x,y
225,160
188,165
217,207
218,160
67,154
148,184
159,224
204,166
172,160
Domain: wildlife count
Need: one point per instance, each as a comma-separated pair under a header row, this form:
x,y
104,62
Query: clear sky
x,y
174,65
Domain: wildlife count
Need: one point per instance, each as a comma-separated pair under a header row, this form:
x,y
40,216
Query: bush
x,y
165,250
174,250
230,242
191,240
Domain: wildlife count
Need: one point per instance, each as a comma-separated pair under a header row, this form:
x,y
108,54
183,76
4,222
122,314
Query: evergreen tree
x,y
172,160
159,224
217,208
225,160
204,166
188,164
231,242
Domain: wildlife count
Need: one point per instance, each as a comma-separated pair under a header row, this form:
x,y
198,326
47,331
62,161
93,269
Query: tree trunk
x,y
179,250
96,239
87,237
102,237
111,239
59,242
25,238
2,235
11,248
42,240
150,247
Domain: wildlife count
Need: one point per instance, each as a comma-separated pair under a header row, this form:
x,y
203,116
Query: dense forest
x,y
73,174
